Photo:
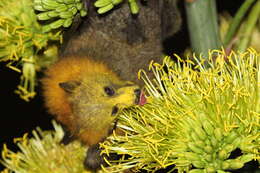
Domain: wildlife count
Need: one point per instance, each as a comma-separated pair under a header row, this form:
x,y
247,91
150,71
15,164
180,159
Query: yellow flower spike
x,y
178,58
16,29
22,139
43,153
139,74
155,158
20,33
195,117
26,88
212,87
9,65
13,55
4,151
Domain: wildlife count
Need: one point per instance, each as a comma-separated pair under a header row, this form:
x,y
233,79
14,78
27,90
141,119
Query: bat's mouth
x,y
140,97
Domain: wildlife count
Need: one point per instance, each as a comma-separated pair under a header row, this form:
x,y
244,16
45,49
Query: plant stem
x,y
249,26
203,27
233,27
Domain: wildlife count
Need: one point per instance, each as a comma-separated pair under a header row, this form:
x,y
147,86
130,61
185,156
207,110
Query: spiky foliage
x,y
21,37
196,116
61,13
106,5
58,12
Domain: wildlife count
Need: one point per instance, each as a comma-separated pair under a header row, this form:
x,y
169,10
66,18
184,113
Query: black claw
x,y
94,160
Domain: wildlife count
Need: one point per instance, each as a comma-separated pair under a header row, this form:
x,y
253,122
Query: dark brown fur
x,y
126,43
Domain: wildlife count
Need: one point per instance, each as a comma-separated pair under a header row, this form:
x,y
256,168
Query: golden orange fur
x,y
66,69
74,110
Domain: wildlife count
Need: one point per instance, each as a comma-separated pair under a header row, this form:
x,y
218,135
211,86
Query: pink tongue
x,y
142,99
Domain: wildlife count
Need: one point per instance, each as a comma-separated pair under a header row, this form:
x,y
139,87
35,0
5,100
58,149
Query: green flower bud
x,y
218,134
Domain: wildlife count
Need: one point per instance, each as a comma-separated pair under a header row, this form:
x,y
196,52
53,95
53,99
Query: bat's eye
x,y
114,110
109,91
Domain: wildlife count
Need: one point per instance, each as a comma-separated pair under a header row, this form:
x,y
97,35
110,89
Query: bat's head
x,y
86,96
97,98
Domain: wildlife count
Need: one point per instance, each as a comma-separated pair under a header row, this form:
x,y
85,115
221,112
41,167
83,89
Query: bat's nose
x,y
140,97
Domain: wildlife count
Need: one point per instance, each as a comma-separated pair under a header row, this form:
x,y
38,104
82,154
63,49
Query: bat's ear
x,y
170,17
69,86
